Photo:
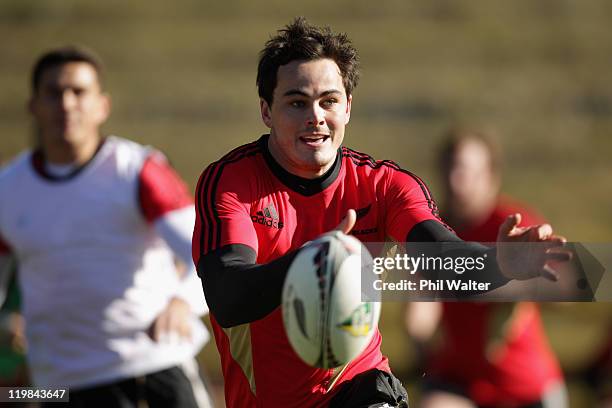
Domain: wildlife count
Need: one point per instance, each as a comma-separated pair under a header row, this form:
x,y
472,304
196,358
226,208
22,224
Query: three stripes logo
x,y
268,216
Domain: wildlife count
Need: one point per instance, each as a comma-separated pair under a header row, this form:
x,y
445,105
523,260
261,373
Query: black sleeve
x,y
237,289
450,245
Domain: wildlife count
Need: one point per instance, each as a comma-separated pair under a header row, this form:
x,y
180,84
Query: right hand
x,y
348,222
175,318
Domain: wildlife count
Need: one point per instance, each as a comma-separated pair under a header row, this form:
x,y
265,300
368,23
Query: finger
x,y
151,331
179,325
160,326
549,273
348,222
554,244
559,256
157,331
544,231
186,330
179,316
173,323
558,238
508,225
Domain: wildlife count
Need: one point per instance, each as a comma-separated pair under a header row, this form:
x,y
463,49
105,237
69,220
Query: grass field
x,y
182,77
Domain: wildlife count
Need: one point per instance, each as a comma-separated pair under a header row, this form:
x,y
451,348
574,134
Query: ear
x,y
349,101
496,181
105,107
31,105
266,112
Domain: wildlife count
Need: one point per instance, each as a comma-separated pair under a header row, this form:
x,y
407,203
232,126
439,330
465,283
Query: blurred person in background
x,y
13,371
598,372
95,224
490,354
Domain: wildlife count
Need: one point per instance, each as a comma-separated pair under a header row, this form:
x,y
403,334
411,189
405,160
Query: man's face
x,y
308,115
470,179
69,105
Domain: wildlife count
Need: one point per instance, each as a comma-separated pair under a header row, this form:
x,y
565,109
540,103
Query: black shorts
x,y
370,389
168,388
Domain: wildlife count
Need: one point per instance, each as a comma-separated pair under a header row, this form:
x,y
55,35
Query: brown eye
x,y
329,102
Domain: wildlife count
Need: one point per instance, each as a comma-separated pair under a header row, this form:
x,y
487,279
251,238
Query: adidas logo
x,y
267,216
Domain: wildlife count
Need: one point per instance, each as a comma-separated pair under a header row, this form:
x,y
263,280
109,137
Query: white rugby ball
x,y
325,320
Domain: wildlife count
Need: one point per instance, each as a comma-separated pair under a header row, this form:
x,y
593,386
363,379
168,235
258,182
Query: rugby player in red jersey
x,y
261,202
491,354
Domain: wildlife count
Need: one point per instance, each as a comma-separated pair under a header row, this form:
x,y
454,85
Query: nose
x,y
316,116
69,99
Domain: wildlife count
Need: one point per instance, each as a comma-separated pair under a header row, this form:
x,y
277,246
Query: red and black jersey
x,y
247,199
497,352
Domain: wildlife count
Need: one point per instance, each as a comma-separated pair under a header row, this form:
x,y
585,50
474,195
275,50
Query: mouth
x,y
66,122
314,139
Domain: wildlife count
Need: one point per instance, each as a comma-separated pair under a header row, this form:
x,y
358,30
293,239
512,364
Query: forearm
x,y
176,228
7,270
237,289
451,246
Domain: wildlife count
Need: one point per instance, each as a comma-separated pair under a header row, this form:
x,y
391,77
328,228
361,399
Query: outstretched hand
x,y
529,260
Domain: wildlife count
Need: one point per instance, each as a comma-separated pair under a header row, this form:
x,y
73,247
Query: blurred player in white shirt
x,y
95,224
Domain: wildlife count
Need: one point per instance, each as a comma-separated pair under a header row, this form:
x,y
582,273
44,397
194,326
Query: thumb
x,y
348,222
509,224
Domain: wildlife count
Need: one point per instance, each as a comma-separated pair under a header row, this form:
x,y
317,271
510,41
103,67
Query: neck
x,y
461,216
302,185
66,152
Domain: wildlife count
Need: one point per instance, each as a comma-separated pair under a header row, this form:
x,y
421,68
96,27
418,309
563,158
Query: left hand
x,y
529,260
175,318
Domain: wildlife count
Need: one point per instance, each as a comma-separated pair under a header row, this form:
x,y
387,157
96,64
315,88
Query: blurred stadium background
x,y
182,78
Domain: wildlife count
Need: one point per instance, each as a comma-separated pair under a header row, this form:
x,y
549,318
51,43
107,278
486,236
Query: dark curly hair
x,y
303,41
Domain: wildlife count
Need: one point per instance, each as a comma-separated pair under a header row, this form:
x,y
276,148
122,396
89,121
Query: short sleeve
x,y
222,211
408,202
161,189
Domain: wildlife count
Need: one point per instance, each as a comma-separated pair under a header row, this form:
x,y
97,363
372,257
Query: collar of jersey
x,y
303,186
38,163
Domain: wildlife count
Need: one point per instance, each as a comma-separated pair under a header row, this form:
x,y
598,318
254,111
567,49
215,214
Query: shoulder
x,y
15,179
129,157
126,150
16,167
357,159
386,171
234,168
239,157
